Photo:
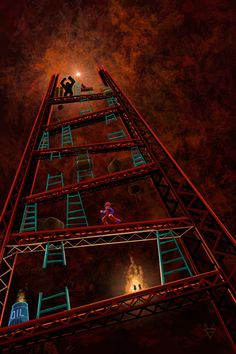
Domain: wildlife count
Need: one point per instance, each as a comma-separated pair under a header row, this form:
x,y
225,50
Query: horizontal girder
x,y
143,303
82,120
99,231
80,98
91,148
106,181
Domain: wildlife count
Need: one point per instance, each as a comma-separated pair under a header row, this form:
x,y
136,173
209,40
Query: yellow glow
x,y
78,74
21,296
134,278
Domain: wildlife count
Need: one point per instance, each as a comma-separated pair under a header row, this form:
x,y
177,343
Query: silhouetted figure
x,y
68,85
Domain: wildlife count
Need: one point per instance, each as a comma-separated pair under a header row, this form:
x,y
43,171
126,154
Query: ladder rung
x,y
52,253
73,211
55,261
76,217
170,250
173,260
166,241
175,270
53,308
53,296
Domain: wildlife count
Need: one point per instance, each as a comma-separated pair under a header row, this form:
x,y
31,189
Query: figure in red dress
x,y
108,214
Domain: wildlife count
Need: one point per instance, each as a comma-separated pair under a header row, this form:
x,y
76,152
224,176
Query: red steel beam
x,y
143,303
82,119
11,204
110,180
91,148
100,230
80,98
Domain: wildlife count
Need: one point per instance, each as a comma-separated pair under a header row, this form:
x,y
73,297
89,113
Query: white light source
x,y
78,74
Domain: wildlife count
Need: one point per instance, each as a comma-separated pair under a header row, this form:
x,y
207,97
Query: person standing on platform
x,y
108,214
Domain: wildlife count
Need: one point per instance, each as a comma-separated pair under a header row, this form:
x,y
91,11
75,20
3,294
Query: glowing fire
x,y
134,278
21,296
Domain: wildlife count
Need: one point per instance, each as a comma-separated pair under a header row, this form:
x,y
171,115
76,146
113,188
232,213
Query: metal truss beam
x,y
175,295
90,241
218,239
82,120
11,205
80,98
7,270
107,181
101,231
92,149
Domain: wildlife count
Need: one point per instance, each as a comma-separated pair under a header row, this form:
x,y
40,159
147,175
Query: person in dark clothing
x,y
68,85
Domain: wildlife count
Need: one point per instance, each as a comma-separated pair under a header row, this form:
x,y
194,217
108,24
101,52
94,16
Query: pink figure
x,y
108,214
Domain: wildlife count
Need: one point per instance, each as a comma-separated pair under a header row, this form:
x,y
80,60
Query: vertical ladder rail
x,y
66,305
179,258
44,142
85,171
29,218
55,251
75,213
55,181
137,157
66,136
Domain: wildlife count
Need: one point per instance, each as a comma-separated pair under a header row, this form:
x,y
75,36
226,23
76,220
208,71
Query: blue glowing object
x,y
19,313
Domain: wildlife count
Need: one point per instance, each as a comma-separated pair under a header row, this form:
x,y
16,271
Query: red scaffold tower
x,y
54,208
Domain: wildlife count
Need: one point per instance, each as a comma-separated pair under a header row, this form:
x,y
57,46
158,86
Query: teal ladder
x,y
42,300
120,134
84,169
54,254
44,142
88,110
75,214
66,136
56,180
55,155
29,219
137,157
110,117
112,101
171,258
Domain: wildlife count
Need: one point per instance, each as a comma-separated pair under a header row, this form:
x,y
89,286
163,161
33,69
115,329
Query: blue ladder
x,y
29,219
44,142
85,170
75,214
55,155
110,117
56,180
41,299
171,258
54,254
137,157
112,101
66,137
120,134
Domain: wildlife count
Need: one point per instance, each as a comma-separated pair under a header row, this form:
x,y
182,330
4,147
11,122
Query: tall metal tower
x,y
196,253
